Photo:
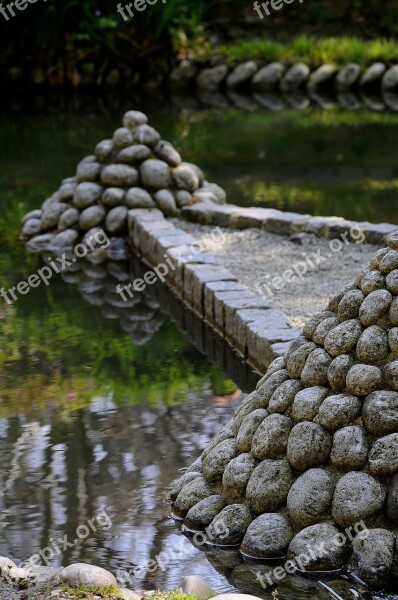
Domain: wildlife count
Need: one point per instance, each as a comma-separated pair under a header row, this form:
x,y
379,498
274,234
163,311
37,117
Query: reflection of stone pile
x,y
97,278
314,450
135,169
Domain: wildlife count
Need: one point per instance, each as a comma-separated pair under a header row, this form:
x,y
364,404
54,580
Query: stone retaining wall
x,y
255,330
283,223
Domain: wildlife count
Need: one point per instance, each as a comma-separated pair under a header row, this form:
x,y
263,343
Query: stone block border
x,y
283,223
256,331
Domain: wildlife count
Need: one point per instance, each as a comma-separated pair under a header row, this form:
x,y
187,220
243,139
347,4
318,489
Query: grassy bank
x,y
308,49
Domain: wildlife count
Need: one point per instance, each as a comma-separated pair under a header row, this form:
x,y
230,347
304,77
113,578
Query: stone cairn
x,y
135,169
313,451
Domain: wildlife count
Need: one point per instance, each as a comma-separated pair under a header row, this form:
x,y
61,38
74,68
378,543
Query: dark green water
x,y
91,421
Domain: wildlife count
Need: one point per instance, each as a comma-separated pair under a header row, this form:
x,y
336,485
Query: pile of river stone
x,y
134,169
314,450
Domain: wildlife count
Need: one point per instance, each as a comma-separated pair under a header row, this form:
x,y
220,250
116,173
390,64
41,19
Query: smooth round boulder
x,y
69,218
375,305
383,455
133,154
137,197
309,446
295,76
215,462
116,219
65,239
119,176
323,329
338,411
271,438
358,496
264,393
268,536
236,477
392,282
66,191
166,203
390,374
307,402
338,371
31,227
283,396
201,515
317,537
122,137
393,340
51,214
376,258
393,313
310,498
89,171
389,262
269,485
113,196
380,412
91,217
363,379
155,174
104,151
316,367
165,151
312,323
349,448
296,360
372,556
86,194
84,574
230,525
183,198
248,428
268,77
339,295
343,338
144,134
372,346
186,178
181,481
191,493
372,281
349,305
134,118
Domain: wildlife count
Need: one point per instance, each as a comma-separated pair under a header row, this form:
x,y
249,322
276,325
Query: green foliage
x,y
311,50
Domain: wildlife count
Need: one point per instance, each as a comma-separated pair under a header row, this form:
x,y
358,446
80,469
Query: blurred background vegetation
x,y
75,39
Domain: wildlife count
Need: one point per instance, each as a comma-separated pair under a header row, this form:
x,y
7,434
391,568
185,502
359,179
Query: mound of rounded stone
x,y
310,459
134,169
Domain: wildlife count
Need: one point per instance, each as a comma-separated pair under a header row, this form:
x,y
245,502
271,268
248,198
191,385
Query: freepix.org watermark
x,y
313,553
8,10
138,5
57,265
160,272
264,9
310,262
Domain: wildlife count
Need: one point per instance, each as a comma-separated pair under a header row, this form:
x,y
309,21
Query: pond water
x,y
99,411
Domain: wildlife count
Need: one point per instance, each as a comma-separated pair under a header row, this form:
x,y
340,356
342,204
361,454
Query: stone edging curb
x,y
283,223
256,331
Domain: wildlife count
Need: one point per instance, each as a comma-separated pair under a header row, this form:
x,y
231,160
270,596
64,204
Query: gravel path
x,y
257,258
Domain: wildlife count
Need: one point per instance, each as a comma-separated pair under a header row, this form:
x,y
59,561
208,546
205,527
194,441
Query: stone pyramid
x,y
313,453
134,169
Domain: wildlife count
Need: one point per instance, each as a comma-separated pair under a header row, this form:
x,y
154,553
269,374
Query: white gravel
x,y
256,258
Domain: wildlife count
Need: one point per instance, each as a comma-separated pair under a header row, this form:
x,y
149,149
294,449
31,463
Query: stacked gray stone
x,y
314,449
134,169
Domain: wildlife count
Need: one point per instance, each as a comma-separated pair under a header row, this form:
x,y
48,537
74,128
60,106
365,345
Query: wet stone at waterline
x,y
134,169
311,456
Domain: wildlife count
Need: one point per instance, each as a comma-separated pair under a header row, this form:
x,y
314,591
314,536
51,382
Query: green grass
x,y
86,592
313,51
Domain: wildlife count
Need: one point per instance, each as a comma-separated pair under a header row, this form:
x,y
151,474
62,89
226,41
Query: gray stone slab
x,y
218,286
195,278
226,318
286,223
376,234
236,328
252,217
243,298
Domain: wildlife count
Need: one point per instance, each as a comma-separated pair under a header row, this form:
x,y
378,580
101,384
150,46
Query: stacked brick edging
x,y
283,223
256,331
